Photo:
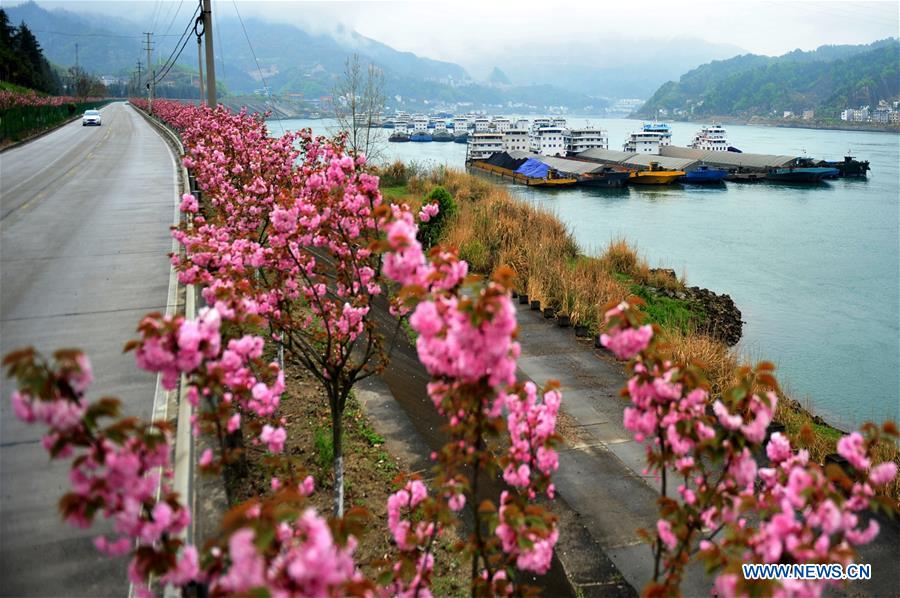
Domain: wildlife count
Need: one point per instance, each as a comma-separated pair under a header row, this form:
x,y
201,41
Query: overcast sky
x,y
459,30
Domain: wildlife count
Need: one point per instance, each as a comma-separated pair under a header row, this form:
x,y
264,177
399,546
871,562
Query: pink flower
x,y
666,535
428,212
274,438
206,458
779,448
189,204
853,450
628,342
883,473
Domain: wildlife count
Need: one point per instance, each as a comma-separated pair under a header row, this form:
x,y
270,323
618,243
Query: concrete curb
x,y
184,453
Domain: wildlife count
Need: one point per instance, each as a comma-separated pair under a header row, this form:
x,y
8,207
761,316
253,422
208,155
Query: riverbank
x,y
493,228
793,123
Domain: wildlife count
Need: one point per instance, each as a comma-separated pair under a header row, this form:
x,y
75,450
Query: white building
x,y
852,115
482,146
516,140
558,121
522,123
581,140
549,141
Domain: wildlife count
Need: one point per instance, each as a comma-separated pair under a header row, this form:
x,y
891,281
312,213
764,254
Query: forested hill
x,y
826,80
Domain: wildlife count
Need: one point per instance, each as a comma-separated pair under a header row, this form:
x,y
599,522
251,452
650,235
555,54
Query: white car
x,y
91,117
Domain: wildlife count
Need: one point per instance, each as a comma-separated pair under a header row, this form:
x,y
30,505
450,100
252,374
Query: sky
x,y
462,30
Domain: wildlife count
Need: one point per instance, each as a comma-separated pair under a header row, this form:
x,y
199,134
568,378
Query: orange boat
x,y
654,176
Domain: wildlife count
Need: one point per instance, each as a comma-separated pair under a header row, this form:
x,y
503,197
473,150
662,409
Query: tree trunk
x,y
337,446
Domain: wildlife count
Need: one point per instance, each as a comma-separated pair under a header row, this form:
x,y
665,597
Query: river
x,y
814,269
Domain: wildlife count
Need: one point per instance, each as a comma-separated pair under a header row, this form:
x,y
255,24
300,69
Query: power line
x,y
174,16
258,68
173,57
84,34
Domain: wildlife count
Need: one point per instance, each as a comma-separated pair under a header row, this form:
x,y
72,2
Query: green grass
x,y
826,431
324,447
667,312
397,192
370,435
7,86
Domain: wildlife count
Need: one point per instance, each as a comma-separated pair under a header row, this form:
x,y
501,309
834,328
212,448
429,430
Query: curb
x,y
184,452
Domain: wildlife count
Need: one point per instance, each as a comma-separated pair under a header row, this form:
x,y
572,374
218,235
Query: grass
x,y
669,313
324,447
7,86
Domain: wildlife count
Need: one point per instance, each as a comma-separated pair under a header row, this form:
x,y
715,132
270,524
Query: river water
x,y
814,269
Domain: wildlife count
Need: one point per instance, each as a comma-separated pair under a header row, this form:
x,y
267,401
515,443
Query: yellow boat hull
x,y
655,177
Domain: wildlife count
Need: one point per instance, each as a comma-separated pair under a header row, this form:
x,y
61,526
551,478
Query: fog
x,y
474,34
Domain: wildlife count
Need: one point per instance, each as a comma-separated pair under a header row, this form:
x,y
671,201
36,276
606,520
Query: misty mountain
x,y
105,45
827,80
611,67
285,58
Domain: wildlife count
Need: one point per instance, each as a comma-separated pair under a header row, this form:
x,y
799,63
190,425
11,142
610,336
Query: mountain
x,y
284,58
105,45
611,66
826,80
498,77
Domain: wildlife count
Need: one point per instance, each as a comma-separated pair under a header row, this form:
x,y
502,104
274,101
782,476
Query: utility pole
x,y
210,57
137,88
150,72
200,68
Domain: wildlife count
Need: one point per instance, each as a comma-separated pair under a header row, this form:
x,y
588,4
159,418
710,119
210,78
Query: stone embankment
x,y
723,318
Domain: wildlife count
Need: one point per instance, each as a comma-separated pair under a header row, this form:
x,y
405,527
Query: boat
x,y
643,142
608,176
461,137
705,175
581,140
745,177
654,176
850,167
528,171
420,136
442,135
801,174
710,138
399,136
662,129
548,141
481,146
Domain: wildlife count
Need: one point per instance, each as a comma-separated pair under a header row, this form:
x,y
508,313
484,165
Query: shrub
x,y
431,232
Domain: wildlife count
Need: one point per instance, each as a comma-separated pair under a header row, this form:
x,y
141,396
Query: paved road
x,y
83,242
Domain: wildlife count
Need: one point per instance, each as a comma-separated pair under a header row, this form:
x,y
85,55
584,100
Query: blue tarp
x,y
534,169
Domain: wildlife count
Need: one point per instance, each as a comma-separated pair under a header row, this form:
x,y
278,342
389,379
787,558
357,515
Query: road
x,y
83,241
